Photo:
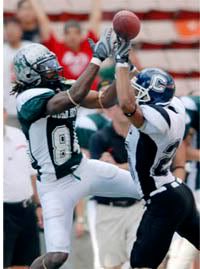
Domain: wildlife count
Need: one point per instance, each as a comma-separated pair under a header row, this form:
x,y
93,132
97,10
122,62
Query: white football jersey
x,y
53,143
152,147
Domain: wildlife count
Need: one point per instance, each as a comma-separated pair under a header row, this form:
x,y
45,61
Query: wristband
x,y
177,167
96,61
122,65
70,98
37,206
130,114
99,99
80,220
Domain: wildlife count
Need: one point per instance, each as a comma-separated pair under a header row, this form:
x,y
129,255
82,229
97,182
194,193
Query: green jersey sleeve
x,y
192,107
31,104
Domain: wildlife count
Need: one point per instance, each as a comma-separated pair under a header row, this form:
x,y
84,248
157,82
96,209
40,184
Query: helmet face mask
x,y
153,86
35,64
49,64
141,94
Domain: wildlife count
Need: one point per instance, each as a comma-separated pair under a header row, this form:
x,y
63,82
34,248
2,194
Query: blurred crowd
x,y
104,228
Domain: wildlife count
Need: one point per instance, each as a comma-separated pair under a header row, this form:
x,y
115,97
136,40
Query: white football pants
x,y
58,198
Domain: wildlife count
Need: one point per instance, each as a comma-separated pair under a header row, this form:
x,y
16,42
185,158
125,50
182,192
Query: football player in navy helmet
x,y
157,120
154,86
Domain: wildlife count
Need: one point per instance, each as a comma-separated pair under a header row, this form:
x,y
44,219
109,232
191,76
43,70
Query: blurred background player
x,y
113,214
13,42
182,253
21,235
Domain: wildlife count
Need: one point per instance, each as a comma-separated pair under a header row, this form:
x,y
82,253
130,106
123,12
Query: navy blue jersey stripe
x,y
172,109
145,156
163,112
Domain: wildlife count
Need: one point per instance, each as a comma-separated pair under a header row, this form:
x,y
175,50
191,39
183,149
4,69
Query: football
x,y
126,24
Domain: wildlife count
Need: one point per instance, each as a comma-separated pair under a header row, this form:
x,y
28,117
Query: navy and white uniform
x,y
152,146
170,203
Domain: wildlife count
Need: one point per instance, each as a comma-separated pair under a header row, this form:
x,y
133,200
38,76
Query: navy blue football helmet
x,y
153,86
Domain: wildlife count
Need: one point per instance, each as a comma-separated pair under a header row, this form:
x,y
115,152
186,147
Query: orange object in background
x,y
188,28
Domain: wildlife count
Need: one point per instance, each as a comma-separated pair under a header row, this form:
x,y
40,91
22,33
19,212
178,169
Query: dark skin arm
x,y
108,98
61,102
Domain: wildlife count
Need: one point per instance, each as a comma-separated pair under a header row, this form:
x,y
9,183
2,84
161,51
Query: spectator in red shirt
x,y
74,53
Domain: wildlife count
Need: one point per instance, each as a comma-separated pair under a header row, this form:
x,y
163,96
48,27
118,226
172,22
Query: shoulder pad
x,y
27,95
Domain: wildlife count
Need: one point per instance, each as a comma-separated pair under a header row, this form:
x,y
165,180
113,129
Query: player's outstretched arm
x,y
65,100
102,99
73,97
125,93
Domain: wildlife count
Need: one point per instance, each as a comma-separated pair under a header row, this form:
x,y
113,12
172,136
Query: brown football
x,y
126,24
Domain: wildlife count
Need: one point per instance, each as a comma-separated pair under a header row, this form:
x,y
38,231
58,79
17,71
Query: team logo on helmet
x,y
153,86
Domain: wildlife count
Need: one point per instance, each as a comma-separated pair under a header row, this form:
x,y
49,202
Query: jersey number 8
x,y
61,145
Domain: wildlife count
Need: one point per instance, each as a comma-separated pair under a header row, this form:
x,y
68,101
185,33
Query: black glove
x,y
103,48
121,50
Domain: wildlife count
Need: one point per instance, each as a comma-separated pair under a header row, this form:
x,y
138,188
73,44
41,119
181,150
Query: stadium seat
x,y
193,85
152,58
181,87
169,36
183,60
187,86
159,31
188,30
142,6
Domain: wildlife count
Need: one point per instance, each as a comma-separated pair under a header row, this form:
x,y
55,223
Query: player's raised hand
x,y
121,50
103,48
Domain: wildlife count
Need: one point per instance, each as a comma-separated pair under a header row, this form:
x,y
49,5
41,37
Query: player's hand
x,y
79,229
39,217
107,157
121,50
103,48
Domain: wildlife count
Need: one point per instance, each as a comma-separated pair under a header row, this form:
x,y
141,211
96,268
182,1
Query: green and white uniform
x,y
54,147
192,106
65,176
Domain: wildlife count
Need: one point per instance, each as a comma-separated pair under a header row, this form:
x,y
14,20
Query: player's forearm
x,y
35,193
178,166
82,86
103,99
109,96
125,98
192,154
61,101
79,209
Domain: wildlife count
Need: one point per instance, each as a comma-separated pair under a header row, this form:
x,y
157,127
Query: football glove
x,y
103,48
121,50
